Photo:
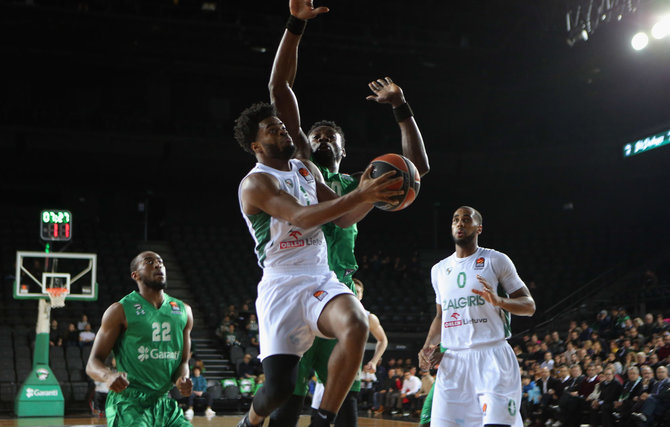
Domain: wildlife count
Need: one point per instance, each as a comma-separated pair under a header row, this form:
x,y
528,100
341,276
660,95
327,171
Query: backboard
x,y
38,271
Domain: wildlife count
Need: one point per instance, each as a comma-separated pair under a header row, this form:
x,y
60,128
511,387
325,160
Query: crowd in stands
x,y
239,330
605,371
81,334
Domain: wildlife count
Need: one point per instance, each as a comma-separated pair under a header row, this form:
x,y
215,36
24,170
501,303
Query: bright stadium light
x,y
639,41
661,28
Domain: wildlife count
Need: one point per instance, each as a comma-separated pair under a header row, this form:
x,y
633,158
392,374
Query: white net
x,y
57,297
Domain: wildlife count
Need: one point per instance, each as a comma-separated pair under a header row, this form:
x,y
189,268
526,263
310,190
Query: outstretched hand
x,y
487,293
386,92
304,9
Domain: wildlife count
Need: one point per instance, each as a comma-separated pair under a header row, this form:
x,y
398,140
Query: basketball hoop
x,y
57,296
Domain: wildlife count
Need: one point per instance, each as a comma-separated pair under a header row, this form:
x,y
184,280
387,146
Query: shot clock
x,y
55,225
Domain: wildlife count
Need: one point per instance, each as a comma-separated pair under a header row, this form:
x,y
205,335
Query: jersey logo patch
x,y
139,310
449,270
479,263
320,295
305,174
484,408
295,234
175,308
289,183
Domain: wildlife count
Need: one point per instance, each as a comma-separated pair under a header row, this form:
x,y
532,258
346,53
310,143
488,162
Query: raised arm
x,y
181,375
387,92
113,324
284,70
382,341
261,192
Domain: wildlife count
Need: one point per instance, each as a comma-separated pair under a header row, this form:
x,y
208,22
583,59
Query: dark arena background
x,y
121,112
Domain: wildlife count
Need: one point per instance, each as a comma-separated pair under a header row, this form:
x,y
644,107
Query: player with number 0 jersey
x,y
476,290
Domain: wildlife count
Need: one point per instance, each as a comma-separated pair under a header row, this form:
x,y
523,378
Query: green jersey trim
x,y
261,225
504,314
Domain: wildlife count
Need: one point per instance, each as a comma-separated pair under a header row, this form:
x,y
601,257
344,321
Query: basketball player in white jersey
x,y
284,203
478,382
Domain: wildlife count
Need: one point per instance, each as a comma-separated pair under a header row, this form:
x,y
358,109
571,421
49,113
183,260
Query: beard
x,y
283,153
157,284
465,240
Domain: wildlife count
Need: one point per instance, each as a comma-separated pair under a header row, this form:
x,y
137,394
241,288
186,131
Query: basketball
x,y
410,183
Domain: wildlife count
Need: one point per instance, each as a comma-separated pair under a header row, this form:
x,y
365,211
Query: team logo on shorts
x,y
511,407
289,183
320,295
305,173
479,263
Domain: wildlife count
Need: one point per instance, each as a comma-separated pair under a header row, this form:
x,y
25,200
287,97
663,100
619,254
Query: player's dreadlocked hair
x,y
328,123
246,125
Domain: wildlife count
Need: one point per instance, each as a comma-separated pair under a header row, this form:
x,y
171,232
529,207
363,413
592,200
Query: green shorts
x,y
134,408
316,359
427,406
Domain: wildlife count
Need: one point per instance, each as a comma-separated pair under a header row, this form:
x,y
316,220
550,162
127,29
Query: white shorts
x,y
478,386
290,301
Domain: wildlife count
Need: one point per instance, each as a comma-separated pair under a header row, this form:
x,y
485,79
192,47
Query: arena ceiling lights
x,y
585,16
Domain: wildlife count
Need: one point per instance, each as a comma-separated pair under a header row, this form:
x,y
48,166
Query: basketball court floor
x,y
222,421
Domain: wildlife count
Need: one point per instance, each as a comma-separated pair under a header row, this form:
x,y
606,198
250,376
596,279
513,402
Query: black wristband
x,y
295,25
402,112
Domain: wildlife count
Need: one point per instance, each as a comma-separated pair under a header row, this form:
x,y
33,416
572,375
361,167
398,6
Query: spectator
x,y
607,392
530,396
252,325
199,390
629,395
223,328
660,326
569,403
390,391
410,386
647,328
71,336
635,337
548,361
368,378
247,367
232,337
656,402
55,336
664,351
585,334
86,336
81,325
557,345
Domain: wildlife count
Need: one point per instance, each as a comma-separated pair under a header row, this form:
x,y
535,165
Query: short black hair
x,y
135,263
328,123
246,125
475,214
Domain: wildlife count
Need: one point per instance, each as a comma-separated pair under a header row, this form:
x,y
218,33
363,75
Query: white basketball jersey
x,y
279,243
468,319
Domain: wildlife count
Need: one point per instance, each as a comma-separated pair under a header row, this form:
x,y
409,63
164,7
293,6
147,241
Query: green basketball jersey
x,y
341,241
150,350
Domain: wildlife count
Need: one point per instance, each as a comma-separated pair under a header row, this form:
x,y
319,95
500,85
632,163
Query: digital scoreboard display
x,y
649,143
55,225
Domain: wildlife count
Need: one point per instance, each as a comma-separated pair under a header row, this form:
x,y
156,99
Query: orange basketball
x,y
410,183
